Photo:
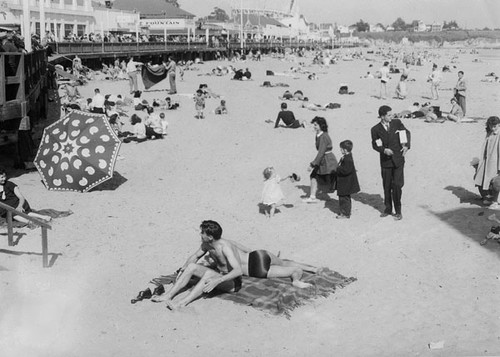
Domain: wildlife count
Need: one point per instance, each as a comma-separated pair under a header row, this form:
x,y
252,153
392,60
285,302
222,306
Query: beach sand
x,y
421,280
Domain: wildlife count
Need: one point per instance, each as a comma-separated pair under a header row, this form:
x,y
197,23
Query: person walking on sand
x,y
391,140
401,88
132,72
460,91
171,69
384,78
226,262
488,166
325,163
435,80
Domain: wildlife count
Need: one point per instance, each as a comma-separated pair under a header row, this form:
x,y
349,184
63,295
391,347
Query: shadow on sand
x,y
53,256
373,200
465,221
465,196
17,237
116,181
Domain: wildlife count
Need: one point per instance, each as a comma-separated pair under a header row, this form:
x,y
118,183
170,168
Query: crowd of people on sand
x,y
390,139
401,64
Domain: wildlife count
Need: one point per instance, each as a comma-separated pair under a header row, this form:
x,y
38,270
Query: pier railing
x,y
68,48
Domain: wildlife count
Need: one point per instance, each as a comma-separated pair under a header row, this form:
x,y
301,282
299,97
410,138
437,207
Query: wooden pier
x,y
22,83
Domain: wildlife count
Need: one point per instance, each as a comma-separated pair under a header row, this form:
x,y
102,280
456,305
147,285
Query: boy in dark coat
x,y
347,180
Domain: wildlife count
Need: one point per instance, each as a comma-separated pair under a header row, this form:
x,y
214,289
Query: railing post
x,y
10,231
45,253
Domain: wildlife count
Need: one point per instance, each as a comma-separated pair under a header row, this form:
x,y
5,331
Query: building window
x,y
37,28
68,30
80,30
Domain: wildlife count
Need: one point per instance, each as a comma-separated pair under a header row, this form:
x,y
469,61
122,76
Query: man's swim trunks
x,y
259,263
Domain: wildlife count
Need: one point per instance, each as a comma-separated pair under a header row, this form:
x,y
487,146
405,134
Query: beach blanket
x,y
152,75
278,296
46,212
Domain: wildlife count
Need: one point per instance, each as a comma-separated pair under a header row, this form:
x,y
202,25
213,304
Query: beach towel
x,y
278,296
152,76
46,212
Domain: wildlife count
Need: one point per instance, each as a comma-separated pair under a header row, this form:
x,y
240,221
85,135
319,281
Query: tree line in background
x,y
401,25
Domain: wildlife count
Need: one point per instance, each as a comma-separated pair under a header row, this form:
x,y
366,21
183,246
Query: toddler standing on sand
x,y
272,195
199,103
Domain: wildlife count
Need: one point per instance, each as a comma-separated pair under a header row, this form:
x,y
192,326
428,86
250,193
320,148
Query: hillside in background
x,y
475,38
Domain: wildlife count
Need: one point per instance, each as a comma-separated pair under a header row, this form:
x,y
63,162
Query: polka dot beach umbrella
x,y
77,152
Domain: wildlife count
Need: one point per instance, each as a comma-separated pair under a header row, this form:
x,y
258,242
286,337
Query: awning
x,y
170,32
10,27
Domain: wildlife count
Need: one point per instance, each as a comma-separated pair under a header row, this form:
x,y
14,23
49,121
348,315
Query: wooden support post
x,y
3,81
45,253
10,230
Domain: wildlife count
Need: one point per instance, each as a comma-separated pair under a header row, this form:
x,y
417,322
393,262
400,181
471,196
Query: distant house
x,y
421,27
377,28
389,28
352,28
313,27
436,27
325,26
343,29
326,30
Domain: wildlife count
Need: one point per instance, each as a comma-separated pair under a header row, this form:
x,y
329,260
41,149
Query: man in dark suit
x,y
392,140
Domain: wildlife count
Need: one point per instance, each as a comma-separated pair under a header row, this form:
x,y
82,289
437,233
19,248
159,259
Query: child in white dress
x,y
272,195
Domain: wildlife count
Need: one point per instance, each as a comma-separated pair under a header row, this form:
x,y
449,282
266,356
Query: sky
x,y
467,13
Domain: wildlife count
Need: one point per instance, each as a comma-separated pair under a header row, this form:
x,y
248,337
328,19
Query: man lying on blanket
x,y
228,261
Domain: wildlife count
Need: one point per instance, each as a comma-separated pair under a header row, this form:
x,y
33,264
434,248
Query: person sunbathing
x,y
490,79
225,263
286,96
311,106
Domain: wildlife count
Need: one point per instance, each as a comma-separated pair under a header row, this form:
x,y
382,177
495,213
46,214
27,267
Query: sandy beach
x,y
421,280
